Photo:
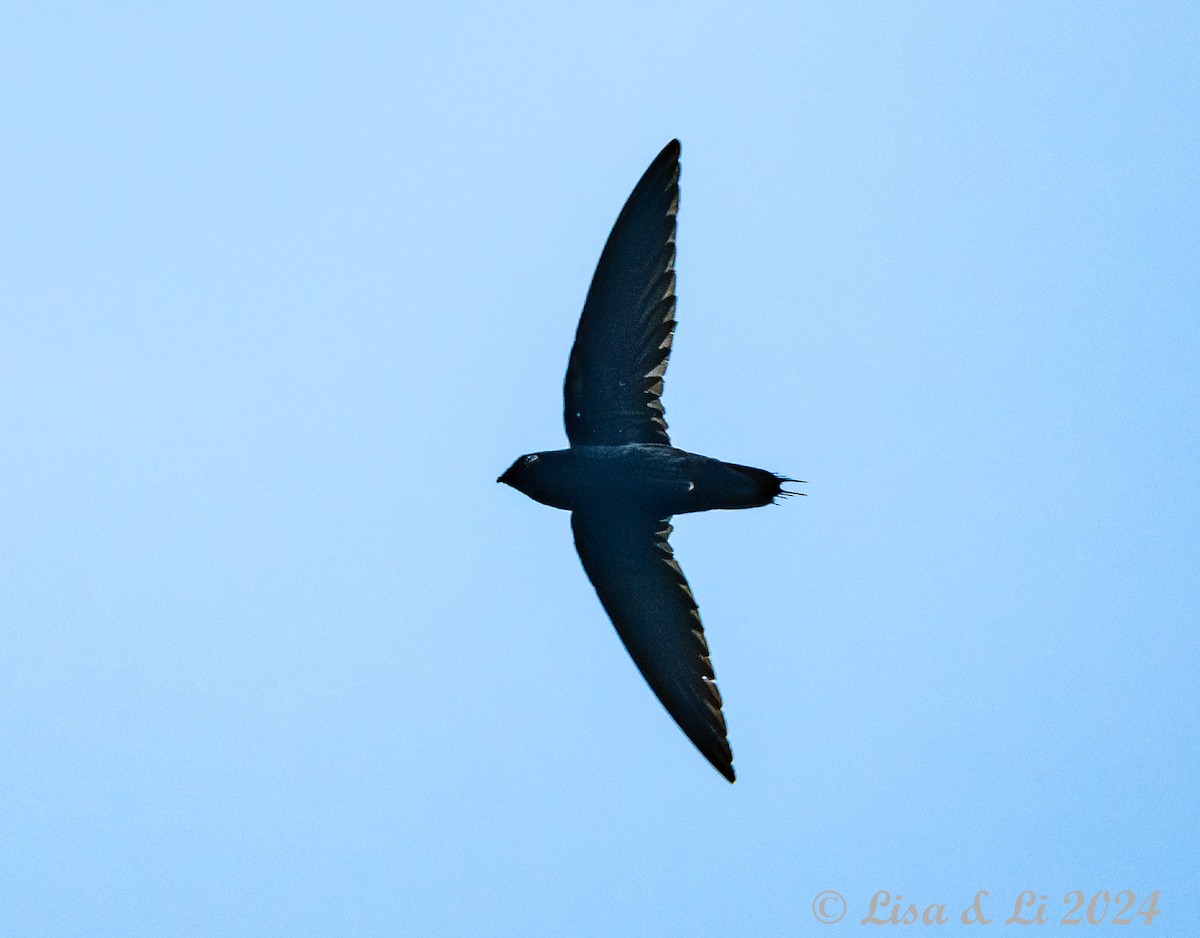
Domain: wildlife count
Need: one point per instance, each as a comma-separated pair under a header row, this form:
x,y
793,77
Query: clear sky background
x,y
286,286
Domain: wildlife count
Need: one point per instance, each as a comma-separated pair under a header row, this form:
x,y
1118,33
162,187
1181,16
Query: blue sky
x,y
287,287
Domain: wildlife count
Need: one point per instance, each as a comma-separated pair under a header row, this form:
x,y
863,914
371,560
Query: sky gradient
x,y
286,288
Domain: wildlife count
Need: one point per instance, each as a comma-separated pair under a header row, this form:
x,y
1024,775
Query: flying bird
x,y
621,478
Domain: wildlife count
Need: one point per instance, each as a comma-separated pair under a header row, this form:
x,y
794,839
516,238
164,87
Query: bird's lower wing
x,y
631,565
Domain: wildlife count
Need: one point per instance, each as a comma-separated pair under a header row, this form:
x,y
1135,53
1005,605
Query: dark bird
x,y
622,480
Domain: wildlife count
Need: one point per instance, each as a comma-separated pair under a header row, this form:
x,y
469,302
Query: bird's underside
x,y
622,480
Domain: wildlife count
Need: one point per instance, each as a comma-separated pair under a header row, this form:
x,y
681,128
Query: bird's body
x,y
652,478
621,478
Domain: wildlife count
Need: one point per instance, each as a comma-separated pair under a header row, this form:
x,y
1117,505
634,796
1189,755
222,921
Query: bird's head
x,y
519,471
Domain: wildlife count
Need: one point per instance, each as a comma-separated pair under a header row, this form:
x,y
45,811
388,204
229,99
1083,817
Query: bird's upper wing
x,y
642,588
615,375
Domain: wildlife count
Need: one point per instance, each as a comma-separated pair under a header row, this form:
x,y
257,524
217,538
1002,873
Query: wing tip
x,y
667,156
718,751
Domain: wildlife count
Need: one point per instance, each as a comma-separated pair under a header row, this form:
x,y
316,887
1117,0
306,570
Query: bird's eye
x,y
532,457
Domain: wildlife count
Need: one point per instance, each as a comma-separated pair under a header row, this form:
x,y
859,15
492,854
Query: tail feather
x,y
768,486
